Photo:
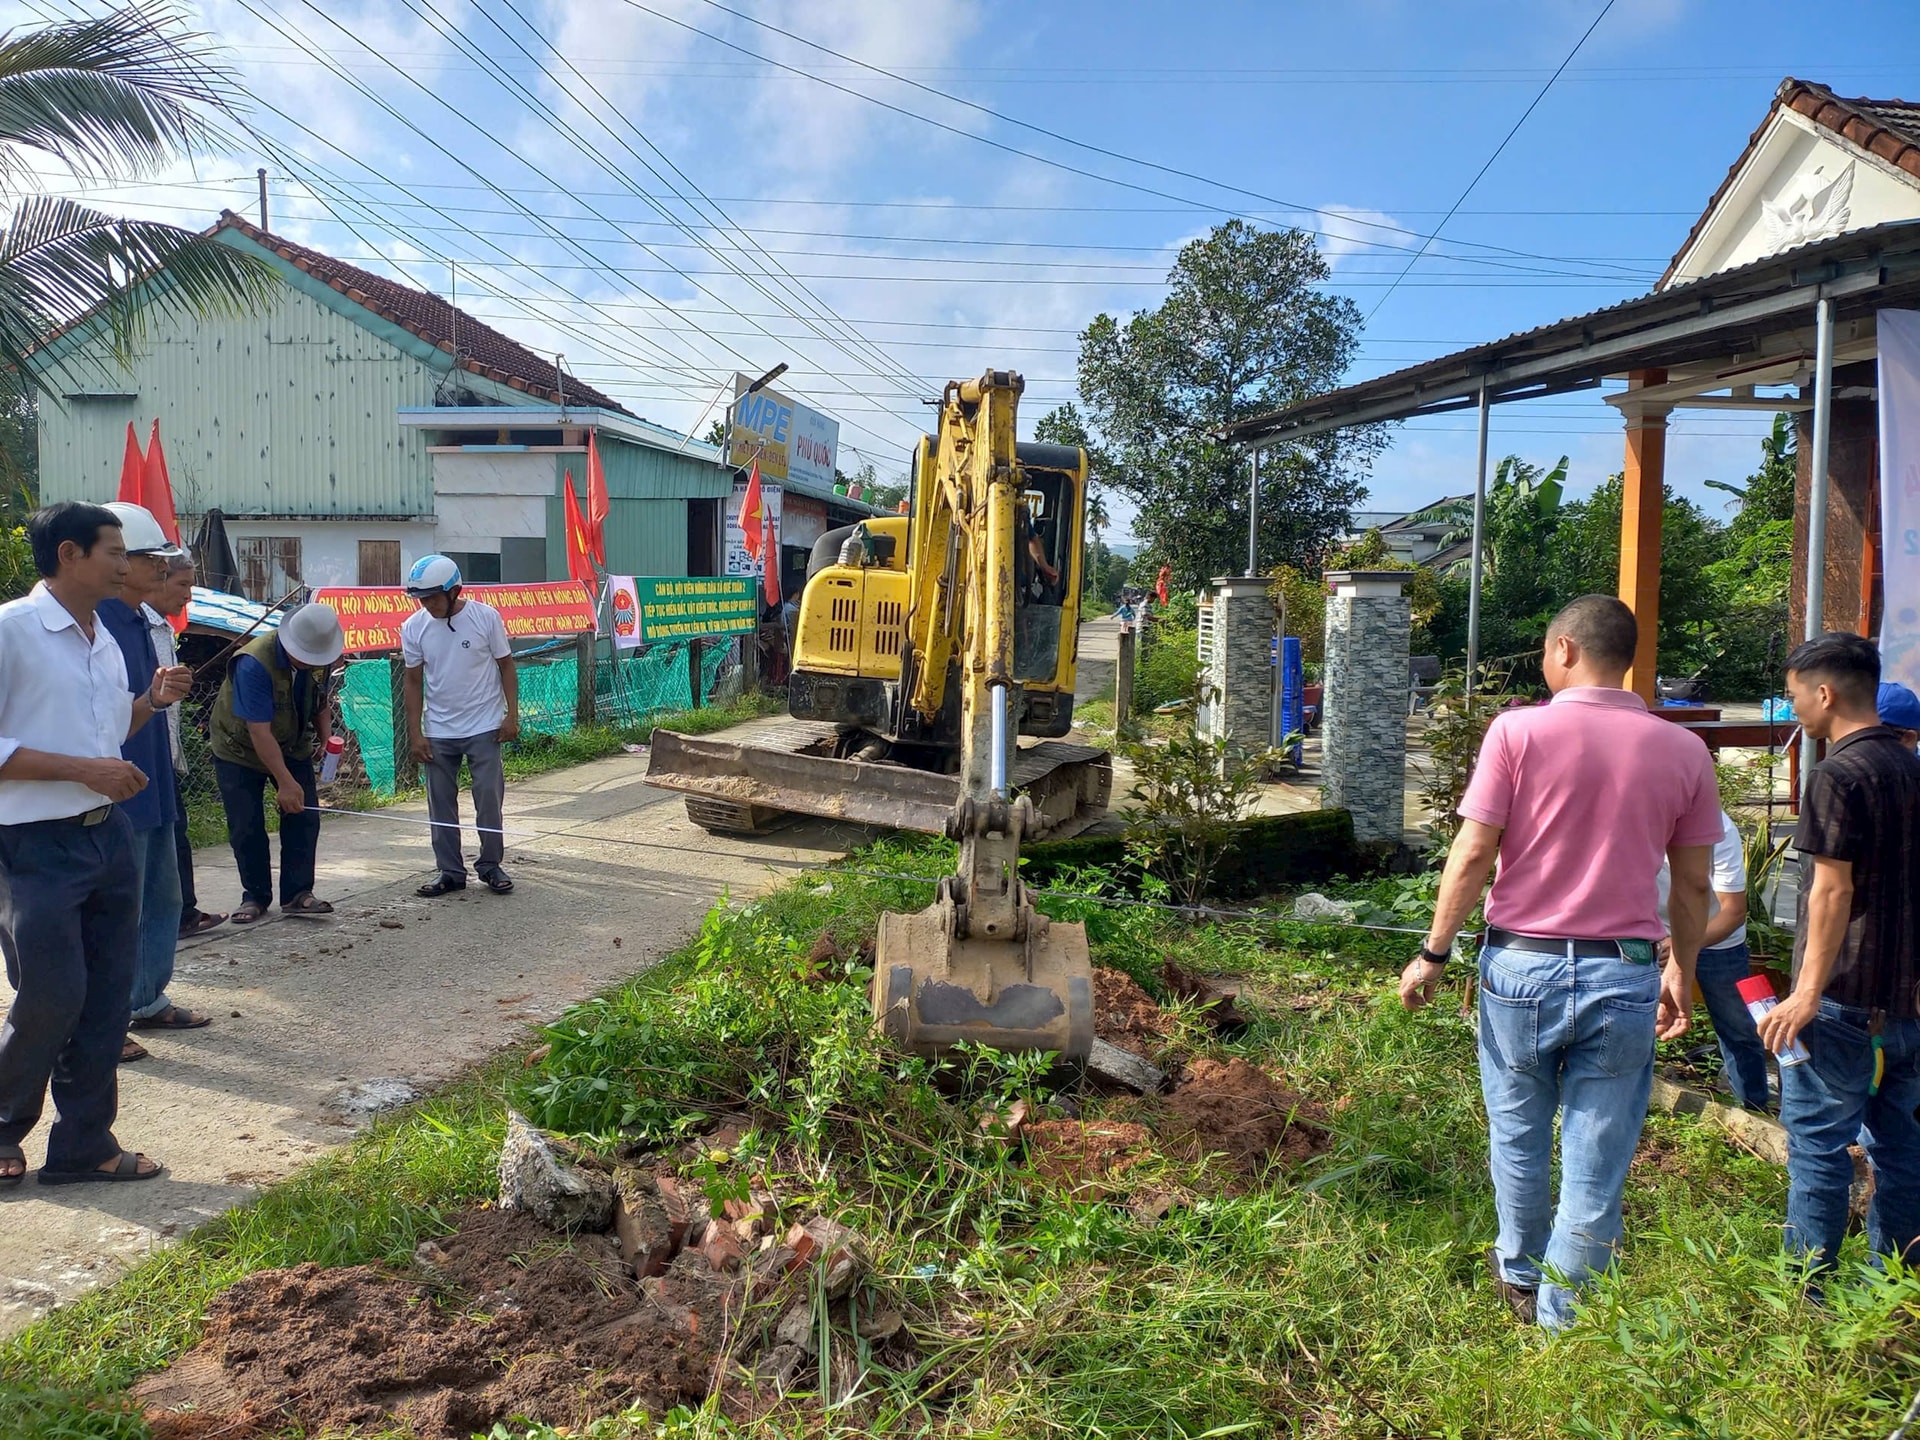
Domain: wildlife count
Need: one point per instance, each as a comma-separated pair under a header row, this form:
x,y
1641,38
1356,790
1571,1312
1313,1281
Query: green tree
x,y
1750,639
113,97
1243,330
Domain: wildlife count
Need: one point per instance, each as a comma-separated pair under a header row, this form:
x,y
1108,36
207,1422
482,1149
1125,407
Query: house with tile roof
x,y
356,423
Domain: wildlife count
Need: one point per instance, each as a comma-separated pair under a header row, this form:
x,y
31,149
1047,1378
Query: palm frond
x,y
62,262
117,95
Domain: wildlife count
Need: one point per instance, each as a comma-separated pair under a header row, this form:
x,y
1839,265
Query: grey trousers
x,y
70,915
482,753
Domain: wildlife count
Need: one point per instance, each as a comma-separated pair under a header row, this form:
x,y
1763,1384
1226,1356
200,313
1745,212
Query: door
x,y
379,562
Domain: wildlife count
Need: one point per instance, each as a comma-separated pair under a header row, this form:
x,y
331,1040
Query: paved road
x,y
394,994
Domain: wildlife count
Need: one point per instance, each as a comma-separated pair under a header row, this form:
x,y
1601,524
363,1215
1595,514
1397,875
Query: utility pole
x,y
1253,516
262,172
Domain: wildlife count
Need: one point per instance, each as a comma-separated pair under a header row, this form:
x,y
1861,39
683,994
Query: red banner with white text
x,y
372,615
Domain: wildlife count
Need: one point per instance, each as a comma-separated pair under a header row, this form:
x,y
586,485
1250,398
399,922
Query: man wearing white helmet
x,y
269,721
463,701
152,811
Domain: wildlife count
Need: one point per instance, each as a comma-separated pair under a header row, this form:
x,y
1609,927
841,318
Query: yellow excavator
x,y
928,644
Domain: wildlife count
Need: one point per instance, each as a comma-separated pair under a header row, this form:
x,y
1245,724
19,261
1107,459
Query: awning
x,y
229,614
1735,329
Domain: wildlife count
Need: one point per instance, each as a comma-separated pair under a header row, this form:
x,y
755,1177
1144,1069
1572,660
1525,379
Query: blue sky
x,y
886,255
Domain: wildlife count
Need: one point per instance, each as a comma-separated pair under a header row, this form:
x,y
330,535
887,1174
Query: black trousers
x,y
183,854
70,911
243,795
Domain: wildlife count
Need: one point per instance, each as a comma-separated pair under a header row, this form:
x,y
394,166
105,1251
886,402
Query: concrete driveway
x,y
321,1023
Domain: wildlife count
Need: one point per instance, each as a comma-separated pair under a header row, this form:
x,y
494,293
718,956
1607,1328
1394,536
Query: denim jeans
x,y
243,796
158,867
1745,1058
1823,1105
1572,1036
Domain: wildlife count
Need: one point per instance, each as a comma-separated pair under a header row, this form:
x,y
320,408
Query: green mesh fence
x,y
627,688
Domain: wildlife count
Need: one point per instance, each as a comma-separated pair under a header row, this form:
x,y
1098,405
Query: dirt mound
x,y
513,1321
1087,1158
1126,1016
1235,1109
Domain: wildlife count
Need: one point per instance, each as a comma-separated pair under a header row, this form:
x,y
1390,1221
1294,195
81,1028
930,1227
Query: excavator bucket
x,y
932,991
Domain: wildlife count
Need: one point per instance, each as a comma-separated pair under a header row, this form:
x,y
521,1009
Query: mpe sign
x,y
789,440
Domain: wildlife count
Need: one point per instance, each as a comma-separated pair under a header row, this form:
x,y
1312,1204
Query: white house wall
x,y
330,549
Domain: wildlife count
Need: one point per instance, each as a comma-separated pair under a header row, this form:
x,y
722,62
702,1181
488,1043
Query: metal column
x,y
1479,544
1817,496
1253,516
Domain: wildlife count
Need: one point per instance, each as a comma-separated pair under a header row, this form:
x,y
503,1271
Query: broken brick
x,y
721,1245
674,1202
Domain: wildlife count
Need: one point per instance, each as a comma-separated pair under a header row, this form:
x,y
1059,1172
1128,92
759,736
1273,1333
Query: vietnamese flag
x,y
597,505
752,516
133,470
770,575
156,490
579,542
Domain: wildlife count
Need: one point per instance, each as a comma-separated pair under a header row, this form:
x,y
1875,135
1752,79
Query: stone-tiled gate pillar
x,y
1364,727
1240,670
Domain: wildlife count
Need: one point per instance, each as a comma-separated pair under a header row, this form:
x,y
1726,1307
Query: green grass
x,y
528,756
1346,1300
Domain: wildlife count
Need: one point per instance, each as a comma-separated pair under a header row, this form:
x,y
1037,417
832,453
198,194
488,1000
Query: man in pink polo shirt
x,y
1579,800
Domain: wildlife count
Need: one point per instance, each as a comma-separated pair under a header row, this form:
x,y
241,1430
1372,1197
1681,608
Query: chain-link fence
x,y
627,690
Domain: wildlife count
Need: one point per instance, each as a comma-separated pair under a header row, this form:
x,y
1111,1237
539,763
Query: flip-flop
x,y
306,907
125,1169
13,1152
171,1018
202,922
249,913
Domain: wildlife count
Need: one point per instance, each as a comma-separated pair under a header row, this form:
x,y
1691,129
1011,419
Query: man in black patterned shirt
x,y
1856,962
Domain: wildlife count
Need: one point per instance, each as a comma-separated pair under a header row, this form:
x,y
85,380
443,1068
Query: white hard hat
x,y
142,532
312,635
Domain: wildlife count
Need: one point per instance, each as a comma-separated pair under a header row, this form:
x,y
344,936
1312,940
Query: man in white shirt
x,y
1724,963
173,598
462,698
69,887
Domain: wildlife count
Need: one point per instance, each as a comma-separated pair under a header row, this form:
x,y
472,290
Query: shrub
x,y
1168,669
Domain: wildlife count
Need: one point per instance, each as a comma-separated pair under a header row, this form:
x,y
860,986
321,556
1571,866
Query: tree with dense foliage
x,y
1244,330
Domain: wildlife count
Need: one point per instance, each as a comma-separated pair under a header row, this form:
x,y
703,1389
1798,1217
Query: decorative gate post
x,y
1240,668
1364,726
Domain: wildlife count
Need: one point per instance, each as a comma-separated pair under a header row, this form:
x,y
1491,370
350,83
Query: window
x,y
477,567
269,566
379,562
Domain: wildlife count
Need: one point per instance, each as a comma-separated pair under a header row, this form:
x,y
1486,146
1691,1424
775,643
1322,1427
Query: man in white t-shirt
x,y
463,701
1724,963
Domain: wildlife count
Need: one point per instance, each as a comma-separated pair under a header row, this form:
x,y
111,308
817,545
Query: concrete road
x,y
321,1023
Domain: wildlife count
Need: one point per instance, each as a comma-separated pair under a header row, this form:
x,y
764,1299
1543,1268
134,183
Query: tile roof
x,y
484,350
1889,129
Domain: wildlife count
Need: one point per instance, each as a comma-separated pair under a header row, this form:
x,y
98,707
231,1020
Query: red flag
x,y
579,543
1160,582
156,491
752,520
597,505
771,575
133,470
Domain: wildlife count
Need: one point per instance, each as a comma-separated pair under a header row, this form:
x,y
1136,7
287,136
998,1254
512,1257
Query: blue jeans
x,y
1823,1104
157,864
1745,1058
1574,1037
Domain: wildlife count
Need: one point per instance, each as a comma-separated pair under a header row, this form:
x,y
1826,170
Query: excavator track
x,y
747,787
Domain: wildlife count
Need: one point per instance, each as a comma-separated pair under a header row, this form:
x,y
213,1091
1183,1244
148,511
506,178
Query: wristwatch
x,y
1432,957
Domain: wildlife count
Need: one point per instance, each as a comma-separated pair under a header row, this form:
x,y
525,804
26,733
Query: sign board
x,y
789,440
1899,332
739,562
803,520
679,607
372,615
625,610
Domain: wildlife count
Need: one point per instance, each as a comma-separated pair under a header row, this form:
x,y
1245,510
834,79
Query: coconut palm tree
x,y
115,97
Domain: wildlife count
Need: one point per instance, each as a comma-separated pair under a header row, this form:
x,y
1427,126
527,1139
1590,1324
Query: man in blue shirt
x,y
151,812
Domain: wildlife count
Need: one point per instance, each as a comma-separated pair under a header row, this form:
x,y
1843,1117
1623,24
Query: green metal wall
x,y
640,472
644,537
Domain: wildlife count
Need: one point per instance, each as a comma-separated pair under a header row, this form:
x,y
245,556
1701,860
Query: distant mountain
x,y
1125,548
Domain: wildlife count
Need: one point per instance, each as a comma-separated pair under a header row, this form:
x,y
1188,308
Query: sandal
x,y
171,1018
11,1178
497,881
249,911
202,921
441,885
306,906
126,1168
132,1050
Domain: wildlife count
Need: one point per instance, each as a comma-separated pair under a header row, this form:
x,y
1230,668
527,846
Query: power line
x,y
1493,157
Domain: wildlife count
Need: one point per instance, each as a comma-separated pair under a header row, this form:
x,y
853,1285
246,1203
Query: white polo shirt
x,y
61,693
1727,875
460,662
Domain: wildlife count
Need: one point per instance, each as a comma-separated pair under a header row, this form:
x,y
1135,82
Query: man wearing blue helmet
x,y
462,698
1899,708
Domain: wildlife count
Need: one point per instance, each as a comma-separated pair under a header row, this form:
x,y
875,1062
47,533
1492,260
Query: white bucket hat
x,y
312,635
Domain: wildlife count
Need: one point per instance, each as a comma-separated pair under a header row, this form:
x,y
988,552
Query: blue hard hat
x,y
1898,706
431,574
